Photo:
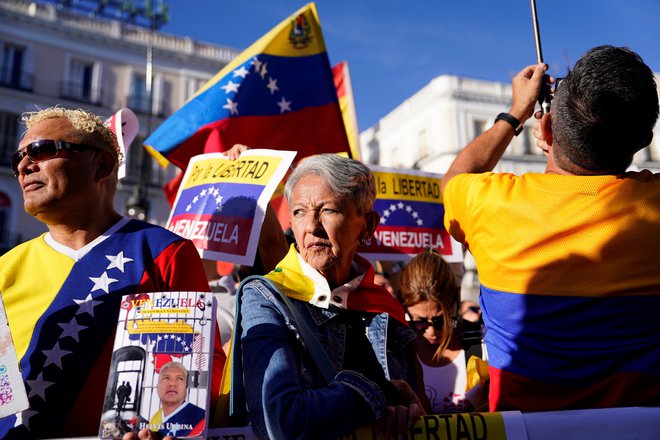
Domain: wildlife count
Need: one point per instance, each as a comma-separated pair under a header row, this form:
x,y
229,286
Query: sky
x,y
396,47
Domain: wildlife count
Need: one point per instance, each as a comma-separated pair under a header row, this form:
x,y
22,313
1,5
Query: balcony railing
x,y
76,91
16,79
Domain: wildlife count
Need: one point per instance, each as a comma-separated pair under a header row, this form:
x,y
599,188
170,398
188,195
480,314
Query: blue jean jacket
x,y
286,395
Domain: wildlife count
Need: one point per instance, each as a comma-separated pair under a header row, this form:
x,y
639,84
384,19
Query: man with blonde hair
x,y
62,290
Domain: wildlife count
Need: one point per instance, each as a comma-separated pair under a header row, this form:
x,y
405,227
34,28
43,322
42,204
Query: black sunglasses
x,y
45,149
420,325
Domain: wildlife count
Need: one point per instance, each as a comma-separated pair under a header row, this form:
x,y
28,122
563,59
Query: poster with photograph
x,y
160,373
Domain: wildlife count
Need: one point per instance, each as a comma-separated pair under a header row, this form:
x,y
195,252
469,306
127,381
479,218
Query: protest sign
x,y
411,217
221,203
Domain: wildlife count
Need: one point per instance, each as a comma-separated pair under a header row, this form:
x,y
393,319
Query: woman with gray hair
x,y
324,286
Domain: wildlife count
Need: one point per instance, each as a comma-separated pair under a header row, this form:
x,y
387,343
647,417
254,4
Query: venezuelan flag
x,y
279,94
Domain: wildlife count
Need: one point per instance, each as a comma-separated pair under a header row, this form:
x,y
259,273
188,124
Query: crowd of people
x,y
322,342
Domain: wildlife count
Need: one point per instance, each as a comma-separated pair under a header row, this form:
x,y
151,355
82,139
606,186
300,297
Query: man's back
x,y
570,285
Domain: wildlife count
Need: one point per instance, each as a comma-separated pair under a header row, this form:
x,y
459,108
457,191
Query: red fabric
x,y
295,131
371,297
338,76
509,391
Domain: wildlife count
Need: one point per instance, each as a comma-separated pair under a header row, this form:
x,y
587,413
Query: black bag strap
x,y
472,340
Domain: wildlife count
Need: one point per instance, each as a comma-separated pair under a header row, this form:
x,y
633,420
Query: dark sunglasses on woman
x,y
45,149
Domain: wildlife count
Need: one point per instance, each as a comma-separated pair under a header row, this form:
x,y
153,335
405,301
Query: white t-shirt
x,y
445,386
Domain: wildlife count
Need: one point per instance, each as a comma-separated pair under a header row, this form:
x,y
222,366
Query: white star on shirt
x,y
71,329
87,305
118,261
24,418
38,386
242,72
231,106
272,85
55,355
257,64
102,282
231,87
284,105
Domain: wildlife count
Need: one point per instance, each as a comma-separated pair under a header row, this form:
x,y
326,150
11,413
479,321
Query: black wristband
x,y
515,123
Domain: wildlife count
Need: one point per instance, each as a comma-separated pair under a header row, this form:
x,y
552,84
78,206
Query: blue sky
x,y
396,47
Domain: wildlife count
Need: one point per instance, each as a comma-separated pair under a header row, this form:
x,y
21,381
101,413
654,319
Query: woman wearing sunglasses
x,y
445,342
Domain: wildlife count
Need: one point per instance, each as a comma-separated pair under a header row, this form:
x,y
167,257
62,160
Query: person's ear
x,y
372,220
546,128
107,165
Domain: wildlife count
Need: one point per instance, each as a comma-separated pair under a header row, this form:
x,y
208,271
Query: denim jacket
x,y
286,395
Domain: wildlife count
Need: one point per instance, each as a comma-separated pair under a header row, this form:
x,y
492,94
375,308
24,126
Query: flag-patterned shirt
x,y
570,285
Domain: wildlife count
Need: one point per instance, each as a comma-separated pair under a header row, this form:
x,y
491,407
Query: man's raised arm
x,y
483,153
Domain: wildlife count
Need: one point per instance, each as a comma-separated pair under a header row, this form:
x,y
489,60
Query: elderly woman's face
x,y
327,228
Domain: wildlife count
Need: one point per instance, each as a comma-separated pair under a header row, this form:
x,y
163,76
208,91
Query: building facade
x,y
427,130
50,56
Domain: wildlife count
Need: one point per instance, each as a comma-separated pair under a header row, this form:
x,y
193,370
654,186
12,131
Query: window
x,y
82,81
138,100
12,68
8,136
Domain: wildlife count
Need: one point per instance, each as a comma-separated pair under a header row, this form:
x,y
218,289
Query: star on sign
x,y
272,85
87,305
189,207
55,355
400,206
231,87
38,386
118,261
216,192
71,329
103,282
284,105
242,72
264,71
203,193
195,199
231,106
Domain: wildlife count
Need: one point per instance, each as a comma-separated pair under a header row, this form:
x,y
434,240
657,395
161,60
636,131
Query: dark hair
x,y
604,110
428,277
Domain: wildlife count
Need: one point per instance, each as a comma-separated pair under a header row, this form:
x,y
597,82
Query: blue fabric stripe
x,y
573,341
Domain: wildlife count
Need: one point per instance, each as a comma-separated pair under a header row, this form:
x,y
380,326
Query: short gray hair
x,y
349,178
